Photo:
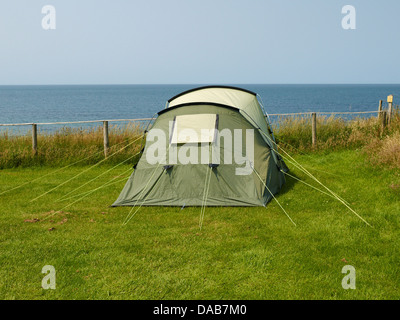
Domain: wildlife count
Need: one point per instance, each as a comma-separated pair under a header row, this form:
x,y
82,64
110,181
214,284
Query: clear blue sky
x,y
208,41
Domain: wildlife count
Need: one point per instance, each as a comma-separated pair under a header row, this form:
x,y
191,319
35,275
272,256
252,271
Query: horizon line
x,y
199,83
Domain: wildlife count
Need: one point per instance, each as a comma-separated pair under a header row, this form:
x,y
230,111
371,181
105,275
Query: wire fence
x,y
323,113
105,123
149,119
72,122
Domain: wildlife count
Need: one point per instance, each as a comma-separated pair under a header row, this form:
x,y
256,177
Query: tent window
x,y
194,128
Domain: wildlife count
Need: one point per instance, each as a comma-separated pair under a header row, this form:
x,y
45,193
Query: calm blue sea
x,y
20,104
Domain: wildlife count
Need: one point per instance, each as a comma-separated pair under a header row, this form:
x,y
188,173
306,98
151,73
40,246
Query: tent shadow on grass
x,y
288,185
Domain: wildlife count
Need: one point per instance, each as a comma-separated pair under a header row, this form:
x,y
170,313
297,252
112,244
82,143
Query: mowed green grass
x,y
240,253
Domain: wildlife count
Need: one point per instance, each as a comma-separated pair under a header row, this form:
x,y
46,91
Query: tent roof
x,y
241,99
226,95
197,103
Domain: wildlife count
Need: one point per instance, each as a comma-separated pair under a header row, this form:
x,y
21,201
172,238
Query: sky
x,y
199,42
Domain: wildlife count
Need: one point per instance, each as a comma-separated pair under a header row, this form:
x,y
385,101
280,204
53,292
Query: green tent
x,y
210,146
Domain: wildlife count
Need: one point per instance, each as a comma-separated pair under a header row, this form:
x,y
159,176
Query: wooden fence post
x,y
380,109
390,109
105,134
34,138
383,120
314,128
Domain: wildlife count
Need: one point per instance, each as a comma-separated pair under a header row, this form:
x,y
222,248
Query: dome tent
x,y
213,136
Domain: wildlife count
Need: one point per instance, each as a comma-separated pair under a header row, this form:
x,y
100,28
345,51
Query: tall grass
x,y
382,145
69,145
332,133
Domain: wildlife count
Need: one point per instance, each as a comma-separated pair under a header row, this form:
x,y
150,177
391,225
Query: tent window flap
x,y
194,128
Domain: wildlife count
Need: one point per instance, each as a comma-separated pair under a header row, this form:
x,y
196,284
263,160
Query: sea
x,y
61,103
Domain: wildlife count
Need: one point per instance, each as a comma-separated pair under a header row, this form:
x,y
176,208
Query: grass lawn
x,y
241,253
